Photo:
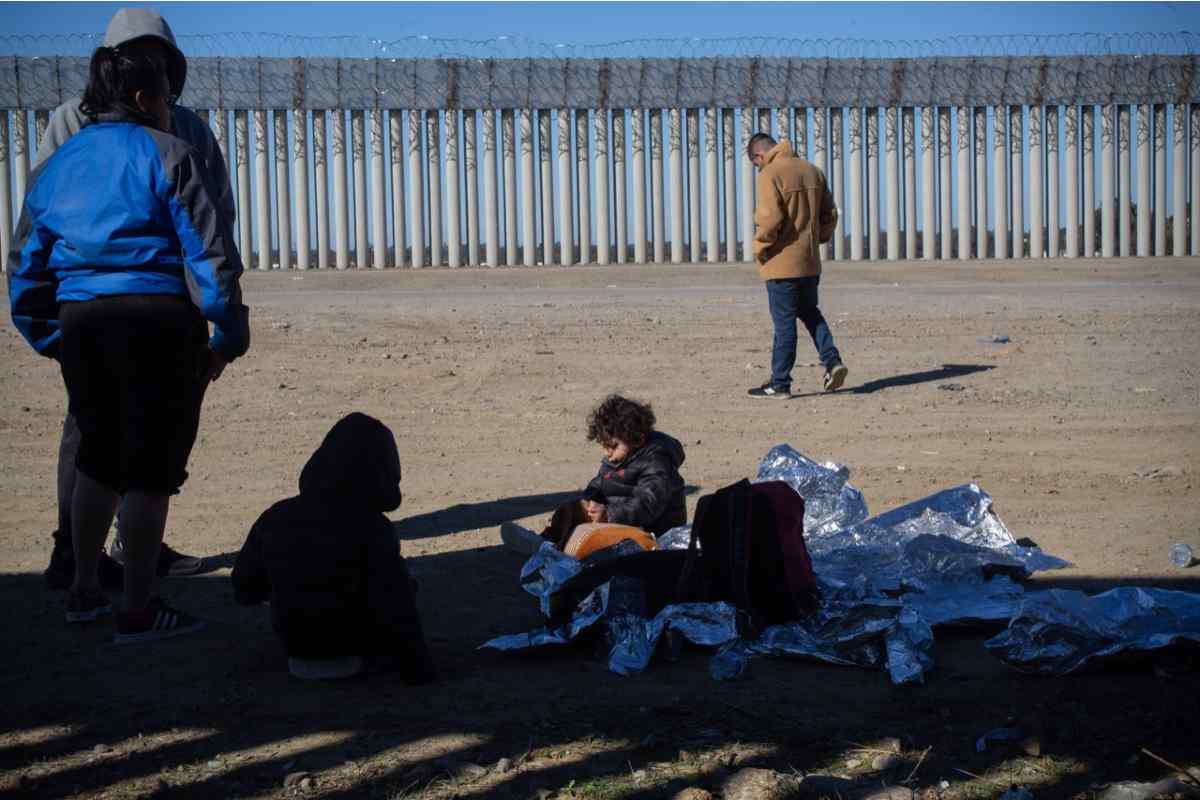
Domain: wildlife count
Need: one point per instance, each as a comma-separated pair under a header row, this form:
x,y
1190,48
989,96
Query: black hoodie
x,y
645,489
328,559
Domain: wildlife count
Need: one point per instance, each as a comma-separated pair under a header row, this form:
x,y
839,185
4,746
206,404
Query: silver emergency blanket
x,y
634,639
589,611
830,502
545,571
675,539
885,582
1058,631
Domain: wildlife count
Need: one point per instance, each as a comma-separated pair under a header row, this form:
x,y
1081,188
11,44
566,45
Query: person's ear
x,y
141,99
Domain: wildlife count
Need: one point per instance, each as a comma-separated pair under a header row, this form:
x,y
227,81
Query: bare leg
x,y
143,518
92,508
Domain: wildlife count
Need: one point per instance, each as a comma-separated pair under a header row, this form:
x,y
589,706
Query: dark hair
x,y
620,418
755,139
116,74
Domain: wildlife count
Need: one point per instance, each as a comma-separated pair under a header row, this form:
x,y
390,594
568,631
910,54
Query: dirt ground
x,y
486,377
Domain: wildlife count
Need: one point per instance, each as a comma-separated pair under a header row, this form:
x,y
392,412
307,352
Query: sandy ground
x,y
486,377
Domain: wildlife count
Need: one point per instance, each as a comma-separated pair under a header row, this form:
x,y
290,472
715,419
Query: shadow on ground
x,y
216,714
490,514
946,372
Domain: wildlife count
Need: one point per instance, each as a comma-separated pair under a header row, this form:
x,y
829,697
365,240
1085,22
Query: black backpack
x,y
747,548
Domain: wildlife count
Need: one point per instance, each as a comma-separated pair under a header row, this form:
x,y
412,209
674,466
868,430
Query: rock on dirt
x,y
885,762
692,793
1168,787
294,778
753,783
1153,472
886,792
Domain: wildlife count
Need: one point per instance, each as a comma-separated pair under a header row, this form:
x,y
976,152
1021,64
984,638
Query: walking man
x,y
795,214
147,27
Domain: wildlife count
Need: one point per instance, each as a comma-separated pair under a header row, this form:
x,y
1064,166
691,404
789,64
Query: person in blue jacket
x,y
147,28
120,256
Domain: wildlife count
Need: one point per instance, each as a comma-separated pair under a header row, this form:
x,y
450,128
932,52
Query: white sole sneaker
x,y
836,377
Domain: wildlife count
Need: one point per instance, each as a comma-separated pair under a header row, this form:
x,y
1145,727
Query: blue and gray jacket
x,y
119,209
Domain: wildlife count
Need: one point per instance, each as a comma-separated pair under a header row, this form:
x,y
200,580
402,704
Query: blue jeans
x,y
791,299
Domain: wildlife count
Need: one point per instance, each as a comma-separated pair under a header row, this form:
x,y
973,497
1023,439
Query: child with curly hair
x,y
638,483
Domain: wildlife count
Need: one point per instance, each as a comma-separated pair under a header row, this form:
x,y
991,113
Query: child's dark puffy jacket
x,y
328,559
646,489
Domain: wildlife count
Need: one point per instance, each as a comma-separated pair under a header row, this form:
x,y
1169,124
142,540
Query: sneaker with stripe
x,y
156,621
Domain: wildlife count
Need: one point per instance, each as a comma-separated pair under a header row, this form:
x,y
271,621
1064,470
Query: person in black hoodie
x,y
638,483
330,564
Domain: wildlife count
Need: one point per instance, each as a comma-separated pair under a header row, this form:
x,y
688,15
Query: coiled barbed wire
x,y
265,44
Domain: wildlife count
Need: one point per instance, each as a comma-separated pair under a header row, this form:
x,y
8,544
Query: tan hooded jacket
x,y
794,215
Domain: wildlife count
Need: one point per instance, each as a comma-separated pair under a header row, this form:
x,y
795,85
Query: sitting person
x,y
638,483
329,562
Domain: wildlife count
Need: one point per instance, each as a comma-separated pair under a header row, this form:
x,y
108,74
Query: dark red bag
x,y
747,548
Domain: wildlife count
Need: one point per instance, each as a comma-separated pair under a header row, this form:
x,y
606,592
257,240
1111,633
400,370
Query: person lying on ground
x,y
329,562
638,482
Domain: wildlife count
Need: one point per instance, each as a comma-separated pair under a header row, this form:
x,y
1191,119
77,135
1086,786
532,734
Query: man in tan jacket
x,y
794,215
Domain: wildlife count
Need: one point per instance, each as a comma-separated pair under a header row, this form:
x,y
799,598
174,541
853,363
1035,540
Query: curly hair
x,y
618,417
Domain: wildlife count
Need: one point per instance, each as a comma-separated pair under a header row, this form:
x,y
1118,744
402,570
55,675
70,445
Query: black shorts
x,y
134,367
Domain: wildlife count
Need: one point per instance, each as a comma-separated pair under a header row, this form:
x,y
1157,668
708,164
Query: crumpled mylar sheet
x,y
885,582
1058,631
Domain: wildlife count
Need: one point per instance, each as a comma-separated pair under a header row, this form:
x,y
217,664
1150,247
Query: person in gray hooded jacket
x,y
128,25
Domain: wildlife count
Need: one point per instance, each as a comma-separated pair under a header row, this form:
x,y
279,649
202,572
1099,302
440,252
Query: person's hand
x,y
216,365
595,512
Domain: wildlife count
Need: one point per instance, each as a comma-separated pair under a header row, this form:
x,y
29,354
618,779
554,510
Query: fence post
x,y
321,185
528,216
453,205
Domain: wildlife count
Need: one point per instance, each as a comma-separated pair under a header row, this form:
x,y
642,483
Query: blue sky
x,y
598,22
594,23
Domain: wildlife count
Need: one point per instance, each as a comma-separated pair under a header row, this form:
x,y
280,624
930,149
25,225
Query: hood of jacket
x,y
658,444
129,24
357,462
783,149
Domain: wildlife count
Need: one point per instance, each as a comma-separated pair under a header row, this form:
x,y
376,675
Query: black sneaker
x,y
767,390
156,621
60,574
835,376
87,606
170,560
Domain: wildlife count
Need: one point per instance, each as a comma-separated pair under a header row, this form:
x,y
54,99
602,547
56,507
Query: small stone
x,y
951,387
851,763
306,784
639,776
692,793
1154,473
892,744
101,748
503,765
215,763
753,783
889,793
472,771
387,356
294,778
885,762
